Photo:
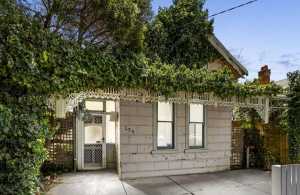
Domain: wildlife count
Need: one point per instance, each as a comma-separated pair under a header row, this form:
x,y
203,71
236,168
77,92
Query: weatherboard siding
x,y
137,158
216,65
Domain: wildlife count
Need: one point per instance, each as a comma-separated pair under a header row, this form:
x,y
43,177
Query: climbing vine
x,y
292,122
36,63
167,79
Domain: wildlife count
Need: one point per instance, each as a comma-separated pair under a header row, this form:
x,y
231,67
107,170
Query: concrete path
x,y
240,182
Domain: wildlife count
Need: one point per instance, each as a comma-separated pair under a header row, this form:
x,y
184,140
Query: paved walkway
x,y
240,182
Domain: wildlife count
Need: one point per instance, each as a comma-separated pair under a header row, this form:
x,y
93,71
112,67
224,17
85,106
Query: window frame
x,y
204,127
94,100
156,121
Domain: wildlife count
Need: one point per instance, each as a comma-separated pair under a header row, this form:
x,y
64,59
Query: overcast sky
x,y
265,32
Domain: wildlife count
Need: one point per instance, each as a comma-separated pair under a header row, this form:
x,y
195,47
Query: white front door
x,y
94,148
91,145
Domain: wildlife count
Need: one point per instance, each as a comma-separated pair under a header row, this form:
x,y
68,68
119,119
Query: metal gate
x,y
93,155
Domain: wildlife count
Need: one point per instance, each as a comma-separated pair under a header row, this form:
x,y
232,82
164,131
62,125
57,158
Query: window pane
x,y
192,135
164,135
110,130
98,119
199,134
196,113
165,111
94,105
93,134
196,135
110,106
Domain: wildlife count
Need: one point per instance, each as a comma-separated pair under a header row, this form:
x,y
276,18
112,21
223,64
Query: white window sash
x,y
155,129
204,124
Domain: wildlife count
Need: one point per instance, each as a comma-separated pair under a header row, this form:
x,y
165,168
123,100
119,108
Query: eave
x,y
61,106
236,65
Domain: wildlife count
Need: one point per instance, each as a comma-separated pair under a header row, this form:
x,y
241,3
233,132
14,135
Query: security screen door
x,y
94,135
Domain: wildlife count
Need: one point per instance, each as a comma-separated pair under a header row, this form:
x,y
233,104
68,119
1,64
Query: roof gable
x,y
236,65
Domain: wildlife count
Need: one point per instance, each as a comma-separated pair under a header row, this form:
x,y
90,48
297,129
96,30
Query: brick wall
x,y
136,143
264,75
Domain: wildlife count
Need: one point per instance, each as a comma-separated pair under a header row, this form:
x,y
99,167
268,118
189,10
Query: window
x,y
165,125
93,134
111,121
94,105
196,126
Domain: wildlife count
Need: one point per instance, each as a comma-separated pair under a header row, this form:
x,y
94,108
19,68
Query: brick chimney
x,y
264,75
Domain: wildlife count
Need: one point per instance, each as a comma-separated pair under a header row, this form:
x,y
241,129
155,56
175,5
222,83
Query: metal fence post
x,y
277,180
286,179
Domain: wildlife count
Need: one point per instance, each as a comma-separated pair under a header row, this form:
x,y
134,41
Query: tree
x,y
293,115
179,34
36,62
106,23
23,111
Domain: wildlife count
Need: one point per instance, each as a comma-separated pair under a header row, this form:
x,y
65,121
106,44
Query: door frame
x,y
80,139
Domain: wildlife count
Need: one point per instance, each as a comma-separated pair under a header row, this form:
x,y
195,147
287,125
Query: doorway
x,y
94,142
95,129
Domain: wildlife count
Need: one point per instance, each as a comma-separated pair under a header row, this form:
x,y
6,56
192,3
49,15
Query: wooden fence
x,y
286,180
274,143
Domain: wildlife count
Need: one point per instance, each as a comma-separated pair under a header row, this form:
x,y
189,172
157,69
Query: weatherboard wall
x,y
137,154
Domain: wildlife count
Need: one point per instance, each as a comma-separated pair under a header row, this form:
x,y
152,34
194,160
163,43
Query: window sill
x,y
164,151
198,150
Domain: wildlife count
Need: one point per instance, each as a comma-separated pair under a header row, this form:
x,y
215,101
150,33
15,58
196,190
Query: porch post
x,y
267,111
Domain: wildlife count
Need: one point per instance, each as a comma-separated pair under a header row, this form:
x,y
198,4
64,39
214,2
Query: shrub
x,y
22,138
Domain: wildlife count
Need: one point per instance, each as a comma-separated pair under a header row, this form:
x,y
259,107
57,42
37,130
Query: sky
x,y
265,32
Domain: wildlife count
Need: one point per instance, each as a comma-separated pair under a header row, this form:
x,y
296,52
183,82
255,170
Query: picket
x,y
298,179
286,180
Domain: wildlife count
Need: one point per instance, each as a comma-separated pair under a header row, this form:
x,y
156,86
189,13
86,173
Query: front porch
x,y
238,182
131,128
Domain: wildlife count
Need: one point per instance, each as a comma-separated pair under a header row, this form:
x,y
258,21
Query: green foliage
x,y
179,34
293,115
108,23
22,139
48,64
23,114
168,79
36,62
287,120
247,116
249,120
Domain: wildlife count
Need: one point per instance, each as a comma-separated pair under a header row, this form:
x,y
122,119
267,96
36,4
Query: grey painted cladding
x,y
139,158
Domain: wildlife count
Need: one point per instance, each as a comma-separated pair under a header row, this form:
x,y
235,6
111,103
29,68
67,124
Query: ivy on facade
x,y
36,63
